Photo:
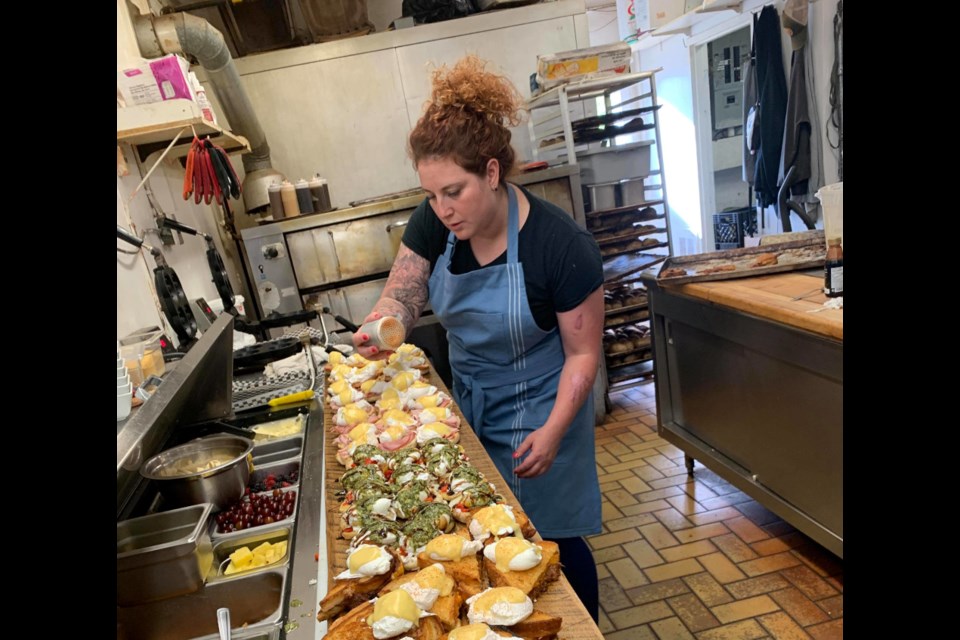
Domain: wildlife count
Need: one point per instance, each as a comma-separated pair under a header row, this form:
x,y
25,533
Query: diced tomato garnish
x,y
348,530
461,507
388,473
429,499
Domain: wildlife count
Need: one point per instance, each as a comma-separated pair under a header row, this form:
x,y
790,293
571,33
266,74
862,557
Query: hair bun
x,y
468,86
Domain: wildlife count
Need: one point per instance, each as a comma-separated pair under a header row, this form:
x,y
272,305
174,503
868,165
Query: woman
x,y
518,287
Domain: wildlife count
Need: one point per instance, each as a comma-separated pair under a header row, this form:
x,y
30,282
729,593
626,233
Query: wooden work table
x,y
750,382
558,600
795,299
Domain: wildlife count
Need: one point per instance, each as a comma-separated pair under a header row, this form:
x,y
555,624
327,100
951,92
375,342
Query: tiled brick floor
x,y
683,558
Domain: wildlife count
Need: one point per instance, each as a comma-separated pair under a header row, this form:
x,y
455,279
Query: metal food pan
x,y
277,450
163,554
285,522
283,467
226,546
262,439
255,601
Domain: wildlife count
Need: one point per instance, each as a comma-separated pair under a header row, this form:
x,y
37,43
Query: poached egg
x,y
365,561
450,547
513,554
496,520
504,606
393,614
428,585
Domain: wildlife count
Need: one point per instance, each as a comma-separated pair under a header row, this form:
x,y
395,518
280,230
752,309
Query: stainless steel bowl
x,y
213,469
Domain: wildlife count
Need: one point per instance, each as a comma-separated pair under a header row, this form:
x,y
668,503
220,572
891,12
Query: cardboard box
x,y
559,68
652,14
156,80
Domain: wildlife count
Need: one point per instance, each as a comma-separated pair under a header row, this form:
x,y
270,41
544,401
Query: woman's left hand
x,y
541,446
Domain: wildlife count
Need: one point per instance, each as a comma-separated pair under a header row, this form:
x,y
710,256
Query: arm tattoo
x,y
405,294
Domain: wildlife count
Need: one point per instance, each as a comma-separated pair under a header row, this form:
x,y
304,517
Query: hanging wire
x,y
836,87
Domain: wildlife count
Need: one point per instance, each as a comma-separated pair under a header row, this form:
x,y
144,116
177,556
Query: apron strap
x,y
513,225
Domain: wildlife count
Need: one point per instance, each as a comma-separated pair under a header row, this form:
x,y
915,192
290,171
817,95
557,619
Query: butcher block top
x,y
558,600
789,298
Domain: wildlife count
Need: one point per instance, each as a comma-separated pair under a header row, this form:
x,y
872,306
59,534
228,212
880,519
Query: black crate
x,y
731,227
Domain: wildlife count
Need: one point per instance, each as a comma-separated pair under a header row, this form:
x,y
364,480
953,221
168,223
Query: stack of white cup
x,y
124,388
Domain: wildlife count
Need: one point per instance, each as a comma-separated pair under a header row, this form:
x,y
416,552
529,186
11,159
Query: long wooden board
x,y
558,600
773,297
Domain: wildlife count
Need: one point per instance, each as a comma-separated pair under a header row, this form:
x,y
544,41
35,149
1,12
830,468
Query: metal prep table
x,y
750,383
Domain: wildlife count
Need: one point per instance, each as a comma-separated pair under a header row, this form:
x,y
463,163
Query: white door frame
x,y
702,121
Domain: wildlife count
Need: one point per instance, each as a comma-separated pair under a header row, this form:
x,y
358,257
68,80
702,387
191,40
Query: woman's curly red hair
x,y
466,118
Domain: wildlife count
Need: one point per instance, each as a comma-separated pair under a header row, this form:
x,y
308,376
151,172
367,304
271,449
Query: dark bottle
x,y
833,269
304,200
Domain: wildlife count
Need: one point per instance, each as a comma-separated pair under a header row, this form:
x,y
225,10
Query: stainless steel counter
x,y
757,400
198,389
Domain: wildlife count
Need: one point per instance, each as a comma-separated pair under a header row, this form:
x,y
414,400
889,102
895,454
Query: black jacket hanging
x,y
751,111
772,94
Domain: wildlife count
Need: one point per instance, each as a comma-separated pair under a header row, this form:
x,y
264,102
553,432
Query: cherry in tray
x,y
257,509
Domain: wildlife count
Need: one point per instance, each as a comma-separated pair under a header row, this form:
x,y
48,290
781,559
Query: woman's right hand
x,y
368,351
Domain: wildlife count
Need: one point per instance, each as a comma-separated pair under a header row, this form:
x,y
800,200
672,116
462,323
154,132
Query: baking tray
x,y
630,234
806,252
611,252
612,323
596,219
628,264
622,310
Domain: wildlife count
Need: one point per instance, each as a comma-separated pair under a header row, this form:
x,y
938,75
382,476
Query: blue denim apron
x,y
506,371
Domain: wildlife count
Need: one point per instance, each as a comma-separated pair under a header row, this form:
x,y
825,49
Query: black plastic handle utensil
x,y
343,321
126,236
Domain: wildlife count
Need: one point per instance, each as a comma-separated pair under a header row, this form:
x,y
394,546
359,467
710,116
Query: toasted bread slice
x,y
446,608
526,526
537,626
347,594
353,626
533,581
465,572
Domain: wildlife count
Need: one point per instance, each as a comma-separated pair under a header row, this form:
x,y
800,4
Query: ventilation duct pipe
x,y
187,34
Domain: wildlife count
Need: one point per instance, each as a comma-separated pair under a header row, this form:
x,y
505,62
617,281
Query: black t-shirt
x,y
561,261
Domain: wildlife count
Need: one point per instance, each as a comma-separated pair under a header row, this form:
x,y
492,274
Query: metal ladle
x,y
223,623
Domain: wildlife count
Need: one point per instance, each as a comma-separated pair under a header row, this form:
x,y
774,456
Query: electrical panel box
x,y
727,56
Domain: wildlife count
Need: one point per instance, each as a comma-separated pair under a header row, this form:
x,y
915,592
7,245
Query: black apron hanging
x,y
772,96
